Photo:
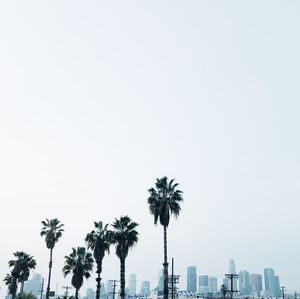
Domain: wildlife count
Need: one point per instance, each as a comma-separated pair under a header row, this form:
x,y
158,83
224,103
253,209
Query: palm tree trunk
x,y
165,265
122,278
49,276
98,279
22,287
76,294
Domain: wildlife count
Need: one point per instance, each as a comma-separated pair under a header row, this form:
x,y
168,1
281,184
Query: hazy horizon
x,y
100,99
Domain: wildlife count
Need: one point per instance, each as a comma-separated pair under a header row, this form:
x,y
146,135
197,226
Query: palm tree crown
x,y
124,236
11,280
164,200
80,263
22,266
52,231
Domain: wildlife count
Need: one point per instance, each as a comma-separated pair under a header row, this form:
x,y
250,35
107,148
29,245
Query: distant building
x,y
269,282
145,288
34,285
244,283
277,287
203,284
255,284
232,270
192,279
212,284
160,281
132,285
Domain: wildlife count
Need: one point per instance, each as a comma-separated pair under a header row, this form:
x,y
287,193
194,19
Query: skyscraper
x,y
132,285
34,285
255,284
203,284
277,287
212,284
191,279
232,270
244,283
145,288
160,281
269,282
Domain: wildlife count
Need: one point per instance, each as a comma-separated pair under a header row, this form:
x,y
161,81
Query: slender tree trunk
x,y
22,287
76,293
49,276
165,265
122,278
98,279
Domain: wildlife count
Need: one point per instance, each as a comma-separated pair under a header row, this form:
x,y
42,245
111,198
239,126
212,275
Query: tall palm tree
x,y
52,231
164,201
80,263
22,266
124,237
99,240
11,280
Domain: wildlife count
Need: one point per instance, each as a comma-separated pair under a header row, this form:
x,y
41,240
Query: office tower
x,y
145,288
269,282
34,285
90,294
132,285
109,289
232,270
160,281
212,284
203,284
244,283
255,284
191,279
277,287
226,282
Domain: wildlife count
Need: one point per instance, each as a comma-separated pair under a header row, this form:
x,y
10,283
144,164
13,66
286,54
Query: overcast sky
x,y
98,99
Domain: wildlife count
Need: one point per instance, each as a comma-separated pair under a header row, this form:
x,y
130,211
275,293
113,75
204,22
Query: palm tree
x,y
164,201
224,290
11,280
80,263
52,231
22,266
124,237
99,241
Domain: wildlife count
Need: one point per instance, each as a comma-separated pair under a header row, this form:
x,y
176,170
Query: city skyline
x,y
99,99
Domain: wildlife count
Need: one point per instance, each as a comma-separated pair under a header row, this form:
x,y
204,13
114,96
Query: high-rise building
x,y
34,285
244,283
269,282
160,281
203,284
145,288
277,287
232,270
192,279
132,285
212,284
255,284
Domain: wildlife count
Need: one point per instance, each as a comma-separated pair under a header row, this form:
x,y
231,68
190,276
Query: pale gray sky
x,y
100,98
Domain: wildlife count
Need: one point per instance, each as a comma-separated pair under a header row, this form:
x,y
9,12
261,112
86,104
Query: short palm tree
x,y
80,264
224,290
52,231
11,280
99,240
124,237
26,296
164,201
22,266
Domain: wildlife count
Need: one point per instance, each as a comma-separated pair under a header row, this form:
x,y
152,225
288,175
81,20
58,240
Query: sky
x,y
98,99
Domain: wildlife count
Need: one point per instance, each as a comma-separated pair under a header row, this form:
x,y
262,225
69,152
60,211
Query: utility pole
x,y
172,282
114,287
282,291
231,276
42,289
